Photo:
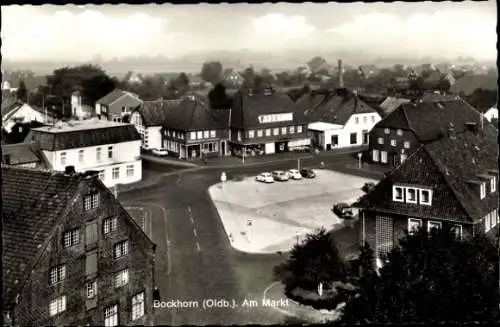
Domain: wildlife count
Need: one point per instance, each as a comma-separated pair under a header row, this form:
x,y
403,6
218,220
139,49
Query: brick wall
x,y
33,308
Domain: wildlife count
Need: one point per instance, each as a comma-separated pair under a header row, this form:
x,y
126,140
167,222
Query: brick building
x,y
452,181
404,130
72,255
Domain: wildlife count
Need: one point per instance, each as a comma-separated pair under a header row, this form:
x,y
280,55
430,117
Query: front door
x,y
335,140
223,147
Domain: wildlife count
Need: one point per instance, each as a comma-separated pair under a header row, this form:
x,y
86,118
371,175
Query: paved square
x,y
281,213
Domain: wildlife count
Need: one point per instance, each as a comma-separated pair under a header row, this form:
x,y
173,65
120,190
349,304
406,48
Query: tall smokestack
x,y
341,74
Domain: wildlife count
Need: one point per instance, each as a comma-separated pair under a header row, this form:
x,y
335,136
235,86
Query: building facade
x,y
72,254
112,149
24,113
117,104
266,122
450,182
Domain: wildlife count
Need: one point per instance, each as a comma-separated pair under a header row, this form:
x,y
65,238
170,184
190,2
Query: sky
x,y
445,29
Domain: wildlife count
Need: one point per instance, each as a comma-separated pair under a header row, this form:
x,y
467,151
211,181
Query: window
x,y
212,134
239,135
406,144
98,154
57,274
110,152
110,225
120,249
399,132
373,118
206,134
380,140
71,237
413,225
91,289
411,195
138,306
199,135
299,129
375,155
283,130
123,109
433,225
397,193
425,197
57,305
354,138
483,190
111,316
101,175
356,120
259,133
63,158
268,132
365,119
403,157
80,156
276,131
393,142
121,278
91,201
130,170
383,156
487,222
493,184
174,134
292,129
193,136
115,172
251,134
387,131
457,230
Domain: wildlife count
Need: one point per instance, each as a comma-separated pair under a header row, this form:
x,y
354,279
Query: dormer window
x,y
493,184
397,194
483,190
425,197
411,195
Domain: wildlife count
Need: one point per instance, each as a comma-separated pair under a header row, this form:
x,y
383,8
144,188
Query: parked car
x,y
307,173
265,178
160,152
280,175
343,210
368,187
294,174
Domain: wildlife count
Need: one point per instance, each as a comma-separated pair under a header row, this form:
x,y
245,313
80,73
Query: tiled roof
x,y
468,84
155,112
429,120
113,96
332,107
247,108
21,153
53,139
445,166
428,97
195,114
391,103
32,202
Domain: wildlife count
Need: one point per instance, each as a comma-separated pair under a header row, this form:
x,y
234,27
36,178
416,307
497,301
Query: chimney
x,y
472,127
341,74
69,170
451,132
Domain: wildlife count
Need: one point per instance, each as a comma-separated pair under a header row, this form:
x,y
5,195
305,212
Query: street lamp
x,y
359,159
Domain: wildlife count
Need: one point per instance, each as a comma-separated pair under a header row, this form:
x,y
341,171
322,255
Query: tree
x,y
482,99
315,261
22,92
218,97
431,278
316,63
249,76
284,78
258,83
182,81
212,71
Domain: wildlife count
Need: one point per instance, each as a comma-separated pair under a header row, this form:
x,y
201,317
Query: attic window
x,y
400,132
387,131
425,197
411,195
397,194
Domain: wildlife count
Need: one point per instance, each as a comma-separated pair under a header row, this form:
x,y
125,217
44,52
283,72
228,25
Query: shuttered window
x,y
91,263
384,235
91,233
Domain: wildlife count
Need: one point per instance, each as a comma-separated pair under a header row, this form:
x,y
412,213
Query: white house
x,y
78,109
148,119
23,113
338,119
491,113
111,148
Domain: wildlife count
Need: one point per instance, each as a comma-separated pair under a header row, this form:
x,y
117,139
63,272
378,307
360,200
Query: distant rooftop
x,y
79,125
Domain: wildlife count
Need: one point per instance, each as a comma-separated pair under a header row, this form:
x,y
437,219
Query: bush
x,y
330,299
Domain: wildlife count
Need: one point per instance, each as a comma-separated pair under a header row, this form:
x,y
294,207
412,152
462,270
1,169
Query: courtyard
x,y
267,218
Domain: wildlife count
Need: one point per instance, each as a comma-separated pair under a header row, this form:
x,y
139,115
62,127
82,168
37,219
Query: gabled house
x,y
117,104
22,155
337,119
232,78
18,112
451,182
491,113
72,255
133,78
110,148
148,120
412,124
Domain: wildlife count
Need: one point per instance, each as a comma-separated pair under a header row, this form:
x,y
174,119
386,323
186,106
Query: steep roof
x,y
154,113
113,96
445,166
469,83
21,153
8,107
391,103
333,107
429,120
246,108
55,138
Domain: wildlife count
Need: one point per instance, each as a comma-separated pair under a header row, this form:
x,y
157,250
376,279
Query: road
x,y
194,260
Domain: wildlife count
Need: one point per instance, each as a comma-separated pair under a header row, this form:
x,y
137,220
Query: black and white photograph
x,y
249,164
